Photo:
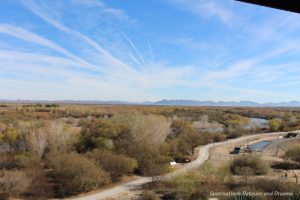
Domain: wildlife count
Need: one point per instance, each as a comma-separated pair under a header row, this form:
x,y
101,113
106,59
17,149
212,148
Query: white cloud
x,y
208,8
26,35
103,8
229,73
98,72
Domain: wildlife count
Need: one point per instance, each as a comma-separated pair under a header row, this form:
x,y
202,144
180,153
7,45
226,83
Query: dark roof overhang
x,y
289,5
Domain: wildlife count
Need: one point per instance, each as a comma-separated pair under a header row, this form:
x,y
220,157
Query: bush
x,y
150,160
40,187
74,174
274,124
285,165
149,195
219,138
184,138
99,134
116,165
14,183
294,153
248,165
234,134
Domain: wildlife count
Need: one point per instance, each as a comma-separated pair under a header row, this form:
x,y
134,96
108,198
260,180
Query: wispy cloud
x,y
26,35
208,8
229,73
103,8
106,73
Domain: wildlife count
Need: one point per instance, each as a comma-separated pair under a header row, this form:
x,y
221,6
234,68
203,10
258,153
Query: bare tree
x,y
37,141
58,136
151,128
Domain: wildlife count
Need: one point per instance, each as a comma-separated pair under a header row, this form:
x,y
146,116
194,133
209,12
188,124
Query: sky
x,y
134,50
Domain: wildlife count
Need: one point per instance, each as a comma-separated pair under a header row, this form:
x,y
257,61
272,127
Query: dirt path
x,y
204,154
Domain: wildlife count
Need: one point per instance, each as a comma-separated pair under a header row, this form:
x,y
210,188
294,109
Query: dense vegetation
x,y
294,153
248,165
211,182
61,150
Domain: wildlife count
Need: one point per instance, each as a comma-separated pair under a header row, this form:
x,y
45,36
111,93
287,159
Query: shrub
x,y
183,138
270,185
274,124
152,129
9,138
40,187
99,134
219,138
74,174
294,153
116,165
234,134
248,165
149,195
285,165
14,183
150,160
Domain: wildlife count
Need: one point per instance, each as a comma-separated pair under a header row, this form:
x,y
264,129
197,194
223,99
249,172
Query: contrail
x,y
141,59
151,53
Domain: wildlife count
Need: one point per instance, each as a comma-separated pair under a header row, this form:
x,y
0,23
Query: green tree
x,y
99,134
9,136
74,174
180,127
116,165
274,124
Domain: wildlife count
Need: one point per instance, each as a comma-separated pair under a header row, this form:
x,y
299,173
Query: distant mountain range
x,y
225,103
164,102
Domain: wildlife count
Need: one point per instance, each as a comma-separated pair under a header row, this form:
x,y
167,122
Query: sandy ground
x,y
128,195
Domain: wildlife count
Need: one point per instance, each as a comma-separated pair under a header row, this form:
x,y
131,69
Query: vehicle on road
x,y
236,150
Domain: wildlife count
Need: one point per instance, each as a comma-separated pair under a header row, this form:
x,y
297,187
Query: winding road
x,y
202,157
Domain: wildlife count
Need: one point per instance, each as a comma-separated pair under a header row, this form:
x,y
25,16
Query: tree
x,y
2,127
150,160
180,127
274,124
152,129
235,120
74,174
9,137
116,165
37,142
100,134
183,138
58,136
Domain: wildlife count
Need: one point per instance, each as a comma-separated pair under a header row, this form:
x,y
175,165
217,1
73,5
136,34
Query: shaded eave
x,y
289,5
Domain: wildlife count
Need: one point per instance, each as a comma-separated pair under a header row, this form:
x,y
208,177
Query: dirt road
x,y
202,157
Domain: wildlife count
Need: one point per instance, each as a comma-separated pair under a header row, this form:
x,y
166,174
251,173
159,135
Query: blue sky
x,y
135,50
